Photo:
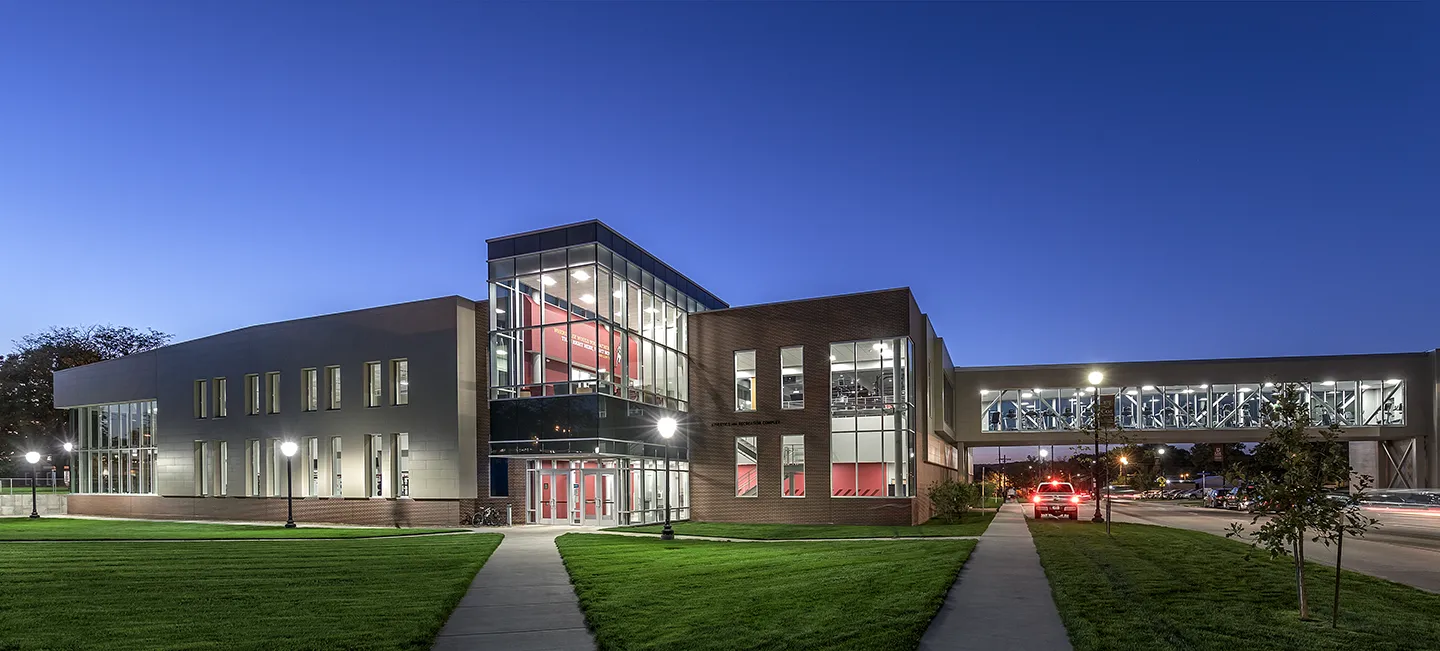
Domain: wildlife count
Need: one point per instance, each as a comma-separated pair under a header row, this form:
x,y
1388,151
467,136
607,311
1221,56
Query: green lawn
x,y
23,528
641,593
1153,588
25,490
391,593
973,524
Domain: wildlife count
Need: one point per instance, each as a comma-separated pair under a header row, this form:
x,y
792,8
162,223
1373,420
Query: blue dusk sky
x,y
1057,182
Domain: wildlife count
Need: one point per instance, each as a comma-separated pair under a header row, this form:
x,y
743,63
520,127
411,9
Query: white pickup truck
x,y
1057,498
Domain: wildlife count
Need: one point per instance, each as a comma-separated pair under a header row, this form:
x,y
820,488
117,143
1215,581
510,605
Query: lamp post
x,y
1045,458
667,426
1123,462
70,463
288,449
1096,377
34,458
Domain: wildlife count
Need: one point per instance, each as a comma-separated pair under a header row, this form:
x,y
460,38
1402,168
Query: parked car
x,y
1215,497
1057,498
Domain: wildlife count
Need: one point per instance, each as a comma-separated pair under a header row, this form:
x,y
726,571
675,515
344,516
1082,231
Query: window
x,y
201,392
252,394
872,415
335,466
499,477
745,456
312,466
376,463
202,467
792,466
252,467
332,374
792,377
222,468
273,480
221,398
940,453
272,387
947,398
402,465
309,389
116,450
400,375
373,387
744,380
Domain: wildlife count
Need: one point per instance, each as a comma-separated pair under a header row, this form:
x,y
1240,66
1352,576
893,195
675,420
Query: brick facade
x,y
516,499
713,422
363,511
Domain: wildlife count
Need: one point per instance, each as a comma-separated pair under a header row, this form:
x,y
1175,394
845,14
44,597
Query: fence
x,y
45,484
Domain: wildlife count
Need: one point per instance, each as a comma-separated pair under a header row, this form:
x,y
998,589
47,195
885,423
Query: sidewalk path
x,y
1001,600
521,600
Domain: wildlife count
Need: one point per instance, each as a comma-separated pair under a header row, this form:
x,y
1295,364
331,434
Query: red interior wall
x,y
858,479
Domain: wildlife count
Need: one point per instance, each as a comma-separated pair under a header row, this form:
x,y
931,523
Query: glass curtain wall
x,y
584,320
872,416
557,495
116,450
1348,403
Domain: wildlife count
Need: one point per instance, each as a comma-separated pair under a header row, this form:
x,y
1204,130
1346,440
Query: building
x,y
541,399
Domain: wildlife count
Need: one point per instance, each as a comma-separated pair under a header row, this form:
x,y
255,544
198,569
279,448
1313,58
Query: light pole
x,y
34,458
1096,377
667,426
1045,458
288,449
70,463
1123,462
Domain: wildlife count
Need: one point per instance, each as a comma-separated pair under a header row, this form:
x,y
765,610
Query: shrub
x,y
951,499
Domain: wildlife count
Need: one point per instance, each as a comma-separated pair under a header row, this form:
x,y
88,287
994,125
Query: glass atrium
x,y
115,451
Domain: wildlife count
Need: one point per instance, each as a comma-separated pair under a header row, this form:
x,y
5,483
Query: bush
x,y
951,499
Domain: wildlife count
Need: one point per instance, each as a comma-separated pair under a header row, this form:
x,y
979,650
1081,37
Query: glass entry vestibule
x,y
605,492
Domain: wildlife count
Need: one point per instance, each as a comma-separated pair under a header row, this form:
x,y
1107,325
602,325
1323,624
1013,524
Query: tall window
x,y
746,484
252,394
332,374
792,377
373,387
402,465
309,389
203,467
221,399
744,380
376,466
116,447
335,466
272,387
252,468
792,466
311,447
872,415
201,393
272,469
400,375
222,468
499,477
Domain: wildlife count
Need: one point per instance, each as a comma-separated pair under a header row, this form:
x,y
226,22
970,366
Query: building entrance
x,y
604,492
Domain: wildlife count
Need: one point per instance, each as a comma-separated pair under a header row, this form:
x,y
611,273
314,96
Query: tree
x,y
28,419
1296,496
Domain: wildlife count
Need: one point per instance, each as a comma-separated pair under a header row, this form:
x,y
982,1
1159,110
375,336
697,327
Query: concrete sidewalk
x,y
521,600
1001,600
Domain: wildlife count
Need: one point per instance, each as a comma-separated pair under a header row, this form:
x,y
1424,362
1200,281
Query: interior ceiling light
x,y
501,352
619,294
580,274
878,346
1328,383
1392,382
1269,384
1244,389
1148,387
1027,394
1204,386
1366,386
499,310
983,392
1132,392
547,281
587,298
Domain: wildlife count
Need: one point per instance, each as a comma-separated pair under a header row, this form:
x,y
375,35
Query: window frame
x,y
785,402
755,484
753,384
786,442
221,398
374,384
333,388
396,365
272,392
309,389
254,402
201,401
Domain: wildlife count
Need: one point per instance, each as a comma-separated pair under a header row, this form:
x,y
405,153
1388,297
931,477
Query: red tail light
x,y
1035,499
1074,499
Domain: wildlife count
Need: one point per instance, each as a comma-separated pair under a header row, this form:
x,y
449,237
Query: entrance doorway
x,y
603,492
597,496
552,494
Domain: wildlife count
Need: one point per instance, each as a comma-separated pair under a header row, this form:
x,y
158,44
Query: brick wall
x,y
712,423
364,511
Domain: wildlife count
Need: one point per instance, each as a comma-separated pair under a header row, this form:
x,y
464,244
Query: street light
x,y
667,426
1096,377
34,458
288,449
1123,462
70,463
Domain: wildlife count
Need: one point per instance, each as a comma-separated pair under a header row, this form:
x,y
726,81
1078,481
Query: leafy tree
x,y
1295,499
28,418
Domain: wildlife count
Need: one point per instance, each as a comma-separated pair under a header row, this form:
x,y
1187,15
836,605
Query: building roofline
x,y
816,298
1219,360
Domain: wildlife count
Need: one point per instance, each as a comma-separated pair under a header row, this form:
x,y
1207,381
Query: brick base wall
x,y
361,511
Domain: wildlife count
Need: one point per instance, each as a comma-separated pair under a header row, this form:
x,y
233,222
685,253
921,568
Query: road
x,y
1405,548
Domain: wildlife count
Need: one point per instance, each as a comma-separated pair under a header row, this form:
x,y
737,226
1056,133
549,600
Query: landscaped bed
x,y
1150,588
642,593
389,593
21,528
972,524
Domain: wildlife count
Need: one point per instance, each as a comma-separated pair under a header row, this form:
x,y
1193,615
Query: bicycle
x,y
486,516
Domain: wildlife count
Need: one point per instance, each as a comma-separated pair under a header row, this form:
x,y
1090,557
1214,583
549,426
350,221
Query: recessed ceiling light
x,y
1204,386
1148,387
878,346
1027,394
1366,386
1189,391
1269,384
983,392
499,310
547,281
1328,383
1132,392
1392,382
1244,389
501,352
587,298
580,274
651,310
